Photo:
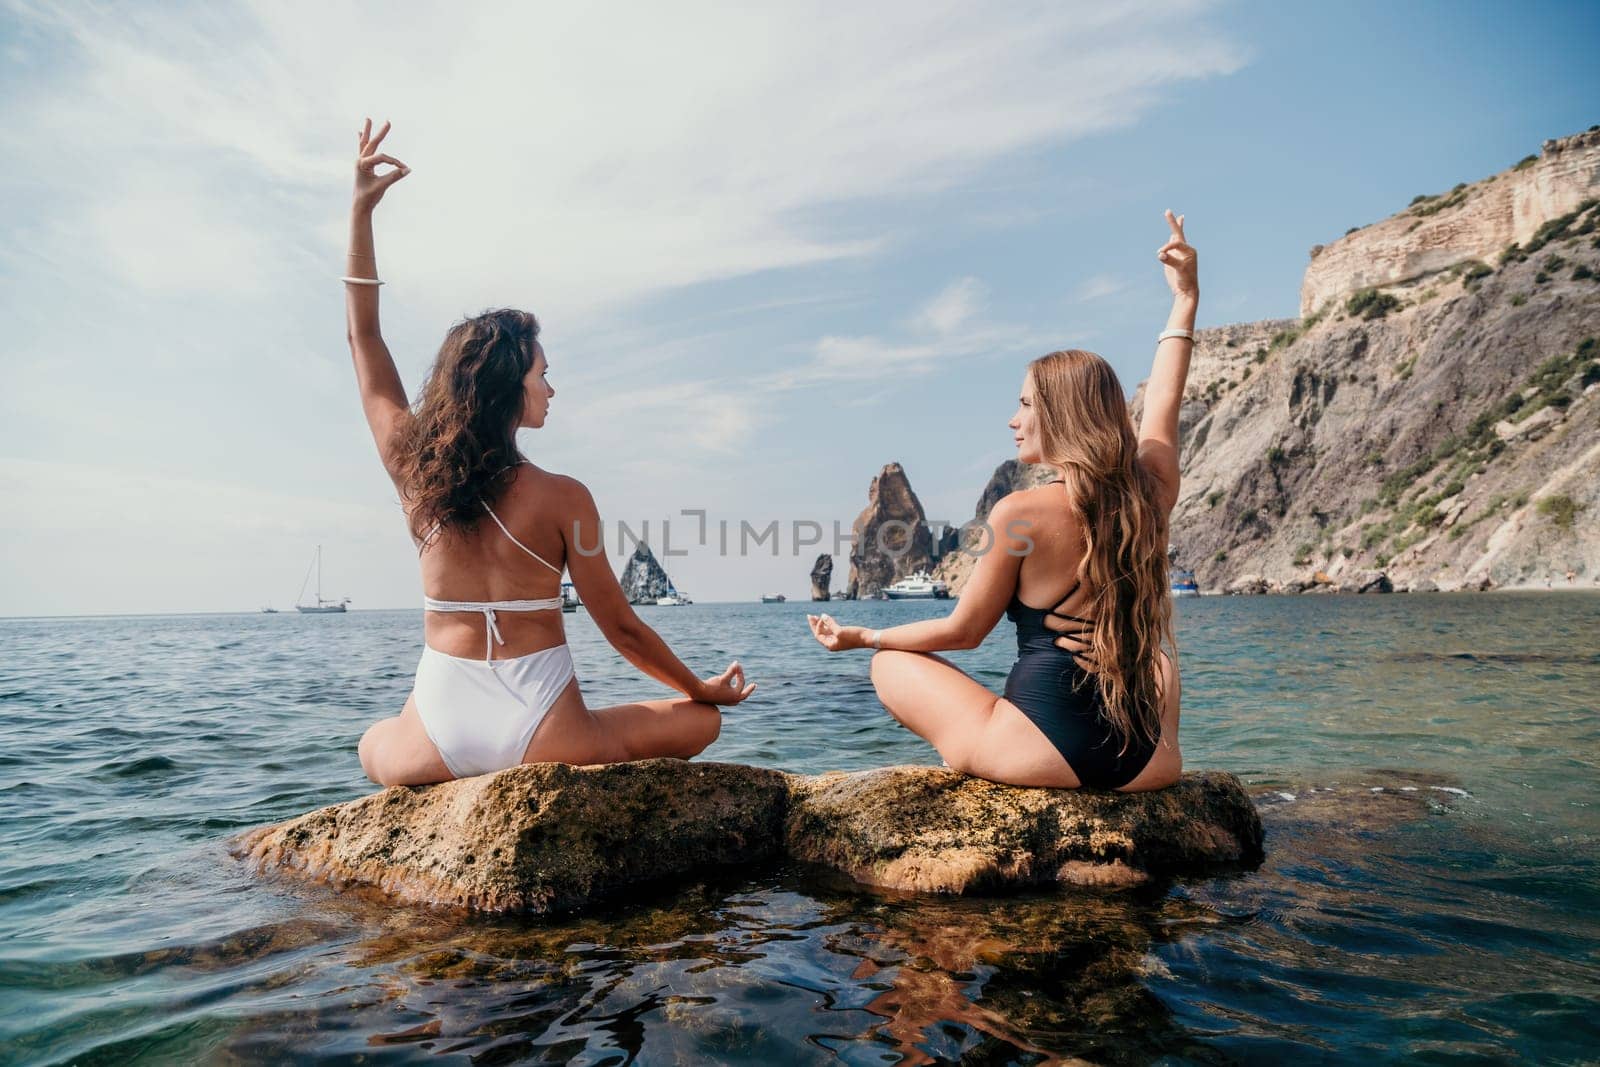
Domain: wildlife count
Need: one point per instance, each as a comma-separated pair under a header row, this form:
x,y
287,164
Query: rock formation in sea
x,y
891,538
821,576
1433,419
958,560
643,580
548,838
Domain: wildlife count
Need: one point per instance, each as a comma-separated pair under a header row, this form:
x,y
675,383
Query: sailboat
x,y
321,606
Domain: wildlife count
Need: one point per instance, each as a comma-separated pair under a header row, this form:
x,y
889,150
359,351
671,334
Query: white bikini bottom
x,y
481,714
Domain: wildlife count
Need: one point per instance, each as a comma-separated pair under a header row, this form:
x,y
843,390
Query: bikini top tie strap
x,y
491,635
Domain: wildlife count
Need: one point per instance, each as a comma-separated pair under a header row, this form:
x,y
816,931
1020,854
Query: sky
x,y
773,247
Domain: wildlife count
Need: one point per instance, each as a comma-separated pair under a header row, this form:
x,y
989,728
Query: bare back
x,y
484,564
1050,570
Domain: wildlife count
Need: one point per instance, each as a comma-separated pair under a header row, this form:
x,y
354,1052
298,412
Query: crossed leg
x,y
975,731
986,736
398,750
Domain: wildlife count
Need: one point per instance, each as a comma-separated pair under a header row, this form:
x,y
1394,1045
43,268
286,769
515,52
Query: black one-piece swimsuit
x,y
1063,701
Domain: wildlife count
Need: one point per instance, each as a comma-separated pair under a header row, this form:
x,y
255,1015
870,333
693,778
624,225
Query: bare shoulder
x,y
550,491
1018,514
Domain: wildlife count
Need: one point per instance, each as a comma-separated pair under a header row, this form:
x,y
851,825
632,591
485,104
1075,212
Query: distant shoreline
x,y
1568,589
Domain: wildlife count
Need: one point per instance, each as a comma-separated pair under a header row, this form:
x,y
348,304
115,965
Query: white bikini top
x,y
489,607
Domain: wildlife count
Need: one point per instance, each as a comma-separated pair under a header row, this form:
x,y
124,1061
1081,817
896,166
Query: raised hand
x,y
1179,261
370,185
727,688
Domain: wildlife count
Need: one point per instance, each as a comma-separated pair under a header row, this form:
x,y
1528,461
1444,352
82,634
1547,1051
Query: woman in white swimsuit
x,y
495,686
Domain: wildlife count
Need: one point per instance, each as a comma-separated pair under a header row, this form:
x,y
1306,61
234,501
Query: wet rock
x,y
542,838
933,830
1247,585
549,838
1374,583
821,575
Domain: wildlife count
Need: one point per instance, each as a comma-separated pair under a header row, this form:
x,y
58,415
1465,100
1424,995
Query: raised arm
x,y
383,397
604,600
1163,394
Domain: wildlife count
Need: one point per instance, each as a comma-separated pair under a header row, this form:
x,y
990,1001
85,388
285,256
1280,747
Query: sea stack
x,y
821,576
891,537
643,580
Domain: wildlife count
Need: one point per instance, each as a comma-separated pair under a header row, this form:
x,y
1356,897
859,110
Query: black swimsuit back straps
x,y
1051,687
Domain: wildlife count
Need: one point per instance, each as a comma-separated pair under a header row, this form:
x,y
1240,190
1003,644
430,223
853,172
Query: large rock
x,y
890,538
541,838
549,838
821,576
643,580
935,830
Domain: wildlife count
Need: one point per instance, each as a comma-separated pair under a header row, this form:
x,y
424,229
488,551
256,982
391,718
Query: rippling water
x,y
1425,765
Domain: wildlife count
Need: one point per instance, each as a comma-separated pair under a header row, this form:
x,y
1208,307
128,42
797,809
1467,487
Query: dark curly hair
x,y
461,436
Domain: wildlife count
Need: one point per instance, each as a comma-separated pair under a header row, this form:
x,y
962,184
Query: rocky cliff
x,y
643,580
891,538
1472,221
1435,418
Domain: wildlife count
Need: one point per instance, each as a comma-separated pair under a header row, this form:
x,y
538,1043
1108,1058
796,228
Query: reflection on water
x,y
1424,767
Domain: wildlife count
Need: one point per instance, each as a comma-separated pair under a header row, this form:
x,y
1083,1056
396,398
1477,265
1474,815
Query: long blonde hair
x,y
1085,431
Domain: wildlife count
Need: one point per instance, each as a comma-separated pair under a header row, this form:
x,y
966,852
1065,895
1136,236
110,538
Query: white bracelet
x,y
361,281
1187,335
877,640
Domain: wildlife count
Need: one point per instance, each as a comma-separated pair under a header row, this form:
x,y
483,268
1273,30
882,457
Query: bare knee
x,y
705,727
371,752
883,664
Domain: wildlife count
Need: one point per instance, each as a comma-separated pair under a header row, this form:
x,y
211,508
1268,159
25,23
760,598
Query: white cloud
x,y
956,303
1099,287
565,155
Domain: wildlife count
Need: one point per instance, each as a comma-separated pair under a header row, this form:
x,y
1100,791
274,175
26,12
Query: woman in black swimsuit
x,y
1093,697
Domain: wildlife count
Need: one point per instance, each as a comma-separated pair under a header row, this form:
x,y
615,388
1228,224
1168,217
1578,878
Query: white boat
x,y
673,599
320,606
918,586
1183,584
569,597
773,598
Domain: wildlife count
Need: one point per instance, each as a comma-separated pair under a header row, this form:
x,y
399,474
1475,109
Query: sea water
x,y
1425,767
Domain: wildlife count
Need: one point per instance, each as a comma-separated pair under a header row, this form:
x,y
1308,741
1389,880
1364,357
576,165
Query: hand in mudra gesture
x,y
833,637
1179,261
727,688
370,185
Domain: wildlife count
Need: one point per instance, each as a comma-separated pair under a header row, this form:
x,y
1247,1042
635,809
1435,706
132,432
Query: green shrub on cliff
x,y
1525,162
1580,272
1560,509
1474,270
1369,303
